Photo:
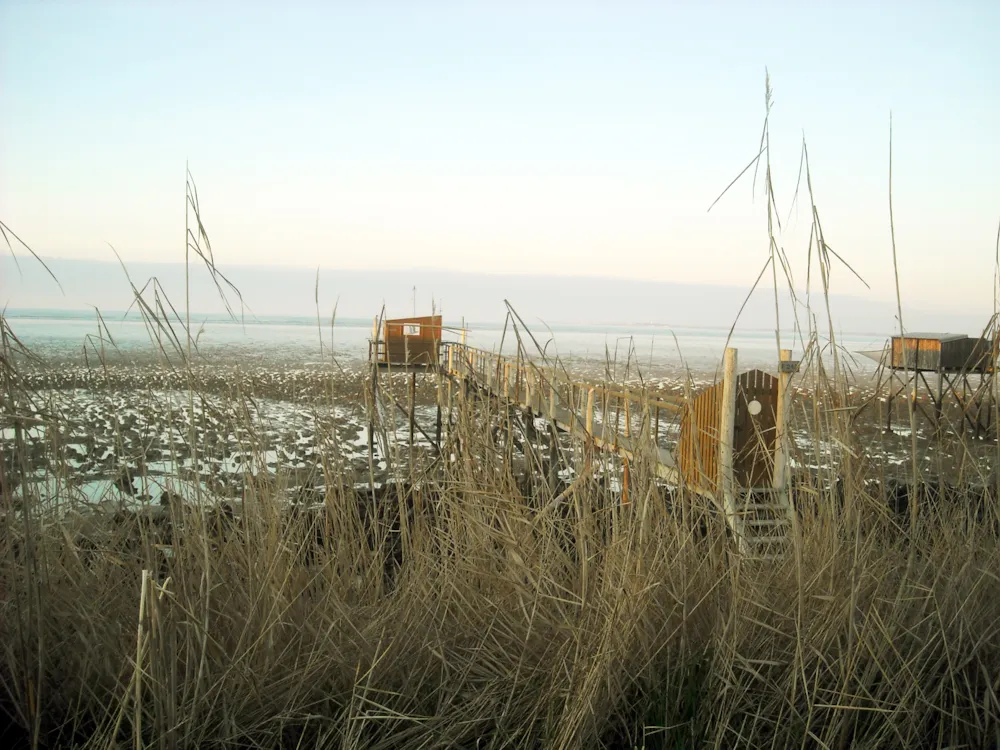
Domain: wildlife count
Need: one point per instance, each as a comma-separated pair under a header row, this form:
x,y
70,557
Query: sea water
x,y
299,338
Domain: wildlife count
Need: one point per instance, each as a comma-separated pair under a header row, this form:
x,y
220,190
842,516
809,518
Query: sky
x,y
543,138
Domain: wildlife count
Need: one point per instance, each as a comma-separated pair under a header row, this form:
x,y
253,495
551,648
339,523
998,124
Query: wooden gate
x,y
753,440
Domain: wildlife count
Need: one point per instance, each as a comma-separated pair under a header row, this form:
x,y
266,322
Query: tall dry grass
x,y
471,604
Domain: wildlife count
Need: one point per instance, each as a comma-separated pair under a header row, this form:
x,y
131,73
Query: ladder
x,y
765,523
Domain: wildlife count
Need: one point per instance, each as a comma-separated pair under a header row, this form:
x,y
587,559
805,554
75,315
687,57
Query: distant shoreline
x,y
74,314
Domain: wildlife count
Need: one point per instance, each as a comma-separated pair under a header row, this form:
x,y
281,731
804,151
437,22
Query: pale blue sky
x,y
569,137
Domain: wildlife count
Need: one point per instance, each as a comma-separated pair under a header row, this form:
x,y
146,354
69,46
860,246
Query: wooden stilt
x,y
372,408
590,411
553,458
437,417
413,411
626,477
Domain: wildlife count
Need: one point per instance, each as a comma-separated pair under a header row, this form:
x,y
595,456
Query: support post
x,y
626,476
605,413
727,436
372,410
889,401
413,412
939,404
779,475
437,419
553,458
450,405
590,411
572,408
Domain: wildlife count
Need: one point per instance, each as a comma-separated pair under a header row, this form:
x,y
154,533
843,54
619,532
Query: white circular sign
x,y
754,408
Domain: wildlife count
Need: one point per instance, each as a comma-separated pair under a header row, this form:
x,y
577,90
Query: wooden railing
x,y
602,410
617,418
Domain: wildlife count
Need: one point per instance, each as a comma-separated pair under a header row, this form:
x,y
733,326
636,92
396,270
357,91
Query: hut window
x,y
411,329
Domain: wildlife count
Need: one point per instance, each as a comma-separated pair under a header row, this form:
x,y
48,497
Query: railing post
x,y
590,411
779,476
727,436
448,395
572,407
605,413
618,417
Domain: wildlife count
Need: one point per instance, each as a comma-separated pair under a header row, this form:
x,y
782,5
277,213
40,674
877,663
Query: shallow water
x,y
270,408
671,350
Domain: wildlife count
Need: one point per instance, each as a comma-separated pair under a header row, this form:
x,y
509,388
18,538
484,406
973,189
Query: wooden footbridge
x,y
731,445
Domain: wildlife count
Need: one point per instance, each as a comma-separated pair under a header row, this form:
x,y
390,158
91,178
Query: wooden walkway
x,y
612,419
624,422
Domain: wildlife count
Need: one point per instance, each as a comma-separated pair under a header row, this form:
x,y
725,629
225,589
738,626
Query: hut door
x,y
756,414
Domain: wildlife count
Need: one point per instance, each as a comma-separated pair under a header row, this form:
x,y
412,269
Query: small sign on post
x,y
788,367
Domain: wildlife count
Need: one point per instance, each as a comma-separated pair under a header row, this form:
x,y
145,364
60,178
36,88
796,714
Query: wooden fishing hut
x,y
408,345
407,342
941,369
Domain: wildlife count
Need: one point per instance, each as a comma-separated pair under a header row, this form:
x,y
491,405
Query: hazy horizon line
x,y
270,292
353,321
221,267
